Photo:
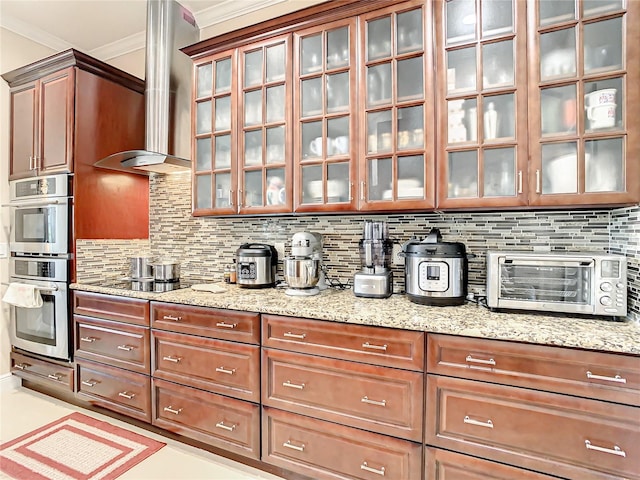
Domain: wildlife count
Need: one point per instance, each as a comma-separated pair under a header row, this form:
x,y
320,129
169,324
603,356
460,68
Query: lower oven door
x,y
43,330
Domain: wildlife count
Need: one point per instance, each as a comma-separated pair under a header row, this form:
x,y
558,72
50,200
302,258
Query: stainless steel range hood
x,y
167,94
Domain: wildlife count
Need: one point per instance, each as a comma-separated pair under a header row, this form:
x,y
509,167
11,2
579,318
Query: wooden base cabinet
x,y
52,374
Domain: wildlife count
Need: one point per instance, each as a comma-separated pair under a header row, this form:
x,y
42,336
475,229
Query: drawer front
x,y
216,365
112,307
377,345
207,322
223,422
604,376
445,465
324,450
36,370
375,398
113,343
115,389
538,430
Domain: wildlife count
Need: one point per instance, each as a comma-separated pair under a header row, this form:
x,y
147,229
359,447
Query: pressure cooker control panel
x,y
433,276
247,270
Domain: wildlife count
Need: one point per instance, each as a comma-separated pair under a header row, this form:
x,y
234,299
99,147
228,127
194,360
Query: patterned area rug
x,y
76,447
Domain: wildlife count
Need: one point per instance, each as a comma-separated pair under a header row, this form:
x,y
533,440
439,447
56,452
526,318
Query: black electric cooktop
x,y
148,285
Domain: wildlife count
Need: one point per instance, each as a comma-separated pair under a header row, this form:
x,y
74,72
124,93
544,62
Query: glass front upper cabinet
x,y
481,47
396,141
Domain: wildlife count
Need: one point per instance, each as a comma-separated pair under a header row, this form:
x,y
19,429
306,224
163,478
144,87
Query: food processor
x,y
375,280
303,269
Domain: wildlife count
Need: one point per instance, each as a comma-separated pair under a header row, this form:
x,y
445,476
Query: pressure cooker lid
x,y
256,250
432,245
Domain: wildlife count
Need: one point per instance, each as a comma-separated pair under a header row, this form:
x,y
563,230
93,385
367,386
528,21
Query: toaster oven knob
x,y
606,301
606,287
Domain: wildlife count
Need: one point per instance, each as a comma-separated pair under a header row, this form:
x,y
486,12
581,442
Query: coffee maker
x,y
375,280
303,269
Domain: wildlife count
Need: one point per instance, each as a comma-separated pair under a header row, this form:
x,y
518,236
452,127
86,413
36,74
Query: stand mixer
x,y
303,269
375,280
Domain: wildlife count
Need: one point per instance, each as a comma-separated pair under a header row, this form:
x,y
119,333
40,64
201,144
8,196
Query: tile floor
x,y
23,410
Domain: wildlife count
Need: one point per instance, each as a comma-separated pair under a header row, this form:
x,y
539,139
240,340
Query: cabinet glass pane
x,y
312,184
275,104
463,174
558,109
410,79
410,127
599,7
311,54
253,108
253,147
499,172
379,38
379,84
555,12
203,191
461,69
253,189
497,64
203,117
338,182
603,105
223,152
312,97
203,154
276,191
411,177
559,168
499,116
223,190
603,45
409,31
379,131
462,124
275,63
205,78
497,17
223,75
460,20
253,68
223,113
338,48
338,136
380,179
275,145
604,165
338,92
558,53
312,140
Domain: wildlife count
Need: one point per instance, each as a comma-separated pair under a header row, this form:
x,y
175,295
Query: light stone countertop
x,y
398,312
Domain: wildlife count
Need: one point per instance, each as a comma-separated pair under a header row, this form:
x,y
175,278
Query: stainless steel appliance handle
x,y
35,203
541,262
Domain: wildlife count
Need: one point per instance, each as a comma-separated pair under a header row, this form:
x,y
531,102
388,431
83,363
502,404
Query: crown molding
x,y
129,44
230,9
35,34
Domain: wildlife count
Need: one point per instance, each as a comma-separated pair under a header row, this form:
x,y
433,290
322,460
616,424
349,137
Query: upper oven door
x,y
41,226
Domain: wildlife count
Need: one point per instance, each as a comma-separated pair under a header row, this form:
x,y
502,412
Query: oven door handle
x,y
47,289
38,203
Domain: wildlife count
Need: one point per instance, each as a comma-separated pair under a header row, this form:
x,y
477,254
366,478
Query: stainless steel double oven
x,y
40,243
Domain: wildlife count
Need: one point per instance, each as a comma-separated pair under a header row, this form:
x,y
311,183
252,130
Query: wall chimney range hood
x,y
167,94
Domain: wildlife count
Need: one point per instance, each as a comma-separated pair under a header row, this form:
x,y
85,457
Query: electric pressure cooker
x,y
435,272
256,265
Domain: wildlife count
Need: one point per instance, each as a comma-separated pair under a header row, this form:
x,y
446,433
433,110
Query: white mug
x,y
341,145
602,116
315,147
600,97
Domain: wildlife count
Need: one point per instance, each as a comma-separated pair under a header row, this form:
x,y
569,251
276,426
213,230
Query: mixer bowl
x,y
301,272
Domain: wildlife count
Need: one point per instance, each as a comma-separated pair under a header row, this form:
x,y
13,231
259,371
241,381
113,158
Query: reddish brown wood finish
x,y
39,371
111,307
24,101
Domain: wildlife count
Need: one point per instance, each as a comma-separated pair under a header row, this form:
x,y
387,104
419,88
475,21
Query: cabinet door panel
x,y
23,131
36,370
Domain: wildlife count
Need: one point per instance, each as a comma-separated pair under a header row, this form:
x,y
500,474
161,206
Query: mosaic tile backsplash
x,y
205,245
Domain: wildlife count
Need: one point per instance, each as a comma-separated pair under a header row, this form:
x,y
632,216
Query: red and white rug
x,y
76,447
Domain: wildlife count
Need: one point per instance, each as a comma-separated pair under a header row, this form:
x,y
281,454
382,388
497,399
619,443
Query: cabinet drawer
x,y
377,345
223,422
445,465
217,365
50,374
113,343
207,322
324,450
115,389
111,307
375,398
537,430
604,376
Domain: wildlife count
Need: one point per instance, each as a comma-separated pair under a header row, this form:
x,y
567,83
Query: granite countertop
x,y
397,311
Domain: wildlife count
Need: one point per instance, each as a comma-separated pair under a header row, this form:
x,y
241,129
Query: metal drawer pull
x,y
172,359
290,445
293,385
126,348
380,403
470,421
172,318
89,383
170,409
617,378
224,370
226,427
299,336
226,325
491,361
22,366
616,450
367,468
55,376
88,339
126,395
374,347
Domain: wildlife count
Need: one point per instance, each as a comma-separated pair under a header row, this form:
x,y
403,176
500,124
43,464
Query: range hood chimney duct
x,y
167,73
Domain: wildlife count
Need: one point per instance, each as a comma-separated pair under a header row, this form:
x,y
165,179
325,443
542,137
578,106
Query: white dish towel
x,y
23,295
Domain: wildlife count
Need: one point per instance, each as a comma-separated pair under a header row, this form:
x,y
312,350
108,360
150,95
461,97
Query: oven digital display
x,y
433,272
610,269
